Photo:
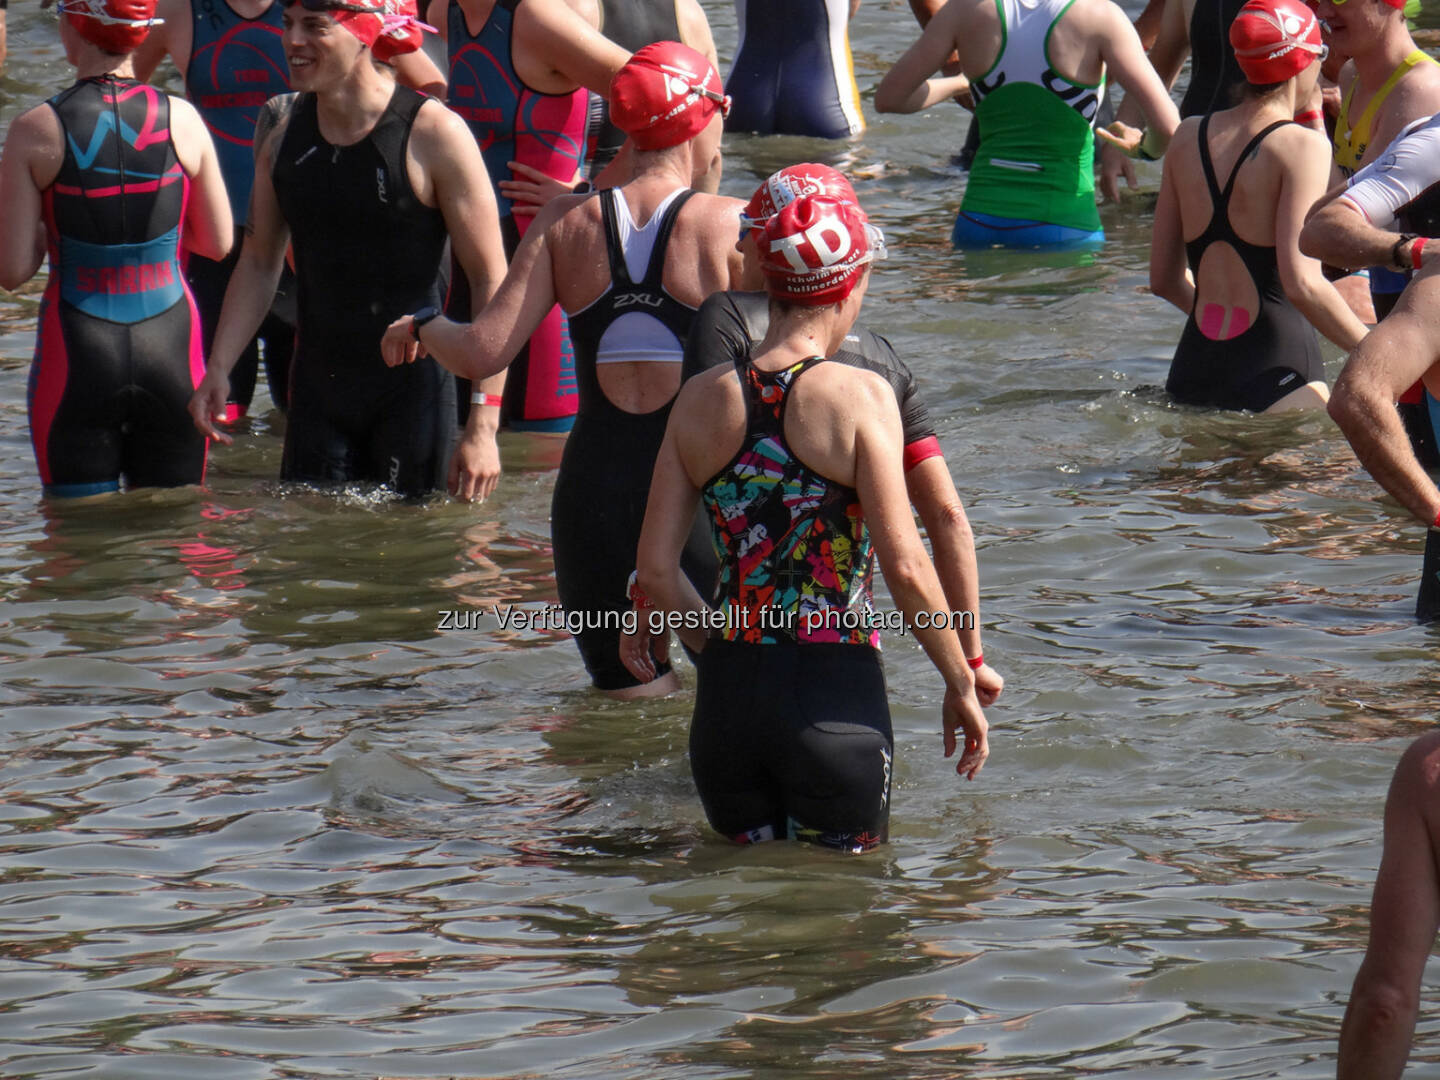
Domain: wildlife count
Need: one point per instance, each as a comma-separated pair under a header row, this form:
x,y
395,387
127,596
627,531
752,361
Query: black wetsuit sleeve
x,y
720,334
876,354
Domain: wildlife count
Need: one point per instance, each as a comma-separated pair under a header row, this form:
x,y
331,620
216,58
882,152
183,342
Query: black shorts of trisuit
x,y
793,741
392,426
595,527
123,407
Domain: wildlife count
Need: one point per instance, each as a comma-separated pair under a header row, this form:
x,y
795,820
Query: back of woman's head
x,y
814,250
1275,40
666,94
114,26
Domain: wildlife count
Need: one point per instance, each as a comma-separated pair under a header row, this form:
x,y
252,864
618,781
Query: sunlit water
x,y
263,819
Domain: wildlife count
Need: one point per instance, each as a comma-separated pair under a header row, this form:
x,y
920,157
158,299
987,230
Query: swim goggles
x,y
681,84
875,241
723,100
95,9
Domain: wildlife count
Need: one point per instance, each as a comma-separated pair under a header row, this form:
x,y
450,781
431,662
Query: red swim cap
x,y
784,187
401,30
364,19
1275,40
813,251
117,26
665,94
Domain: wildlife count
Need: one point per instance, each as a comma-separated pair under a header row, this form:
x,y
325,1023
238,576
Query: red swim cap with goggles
x,y
814,250
389,28
117,26
665,94
1275,40
782,188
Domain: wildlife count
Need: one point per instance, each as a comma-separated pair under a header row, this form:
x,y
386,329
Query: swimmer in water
x,y
368,178
1387,85
731,325
629,266
111,179
797,463
1037,70
1248,290
793,74
230,54
519,72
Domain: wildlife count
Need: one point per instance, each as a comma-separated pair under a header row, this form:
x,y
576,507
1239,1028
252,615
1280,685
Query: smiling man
x,y
366,178
232,59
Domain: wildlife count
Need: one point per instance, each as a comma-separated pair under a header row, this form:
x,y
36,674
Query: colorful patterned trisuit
x,y
791,733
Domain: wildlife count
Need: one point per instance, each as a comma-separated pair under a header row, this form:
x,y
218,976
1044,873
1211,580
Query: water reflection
x,y
261,817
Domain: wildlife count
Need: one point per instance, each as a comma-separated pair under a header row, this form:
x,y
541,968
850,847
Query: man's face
x,y
319,51
1354,26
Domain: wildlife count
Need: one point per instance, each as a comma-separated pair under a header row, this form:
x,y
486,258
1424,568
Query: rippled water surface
x,y
262,819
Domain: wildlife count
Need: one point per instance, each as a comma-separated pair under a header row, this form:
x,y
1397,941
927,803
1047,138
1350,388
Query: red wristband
x,y
1309,116
478,398
1436,523
635,594
977,661
1415,249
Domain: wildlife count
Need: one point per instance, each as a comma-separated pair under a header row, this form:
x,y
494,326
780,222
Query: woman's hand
x,y
531,189
988,684
961,711
399,345
642,651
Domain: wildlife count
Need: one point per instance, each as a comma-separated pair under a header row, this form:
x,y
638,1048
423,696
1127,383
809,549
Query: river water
x,y
263,819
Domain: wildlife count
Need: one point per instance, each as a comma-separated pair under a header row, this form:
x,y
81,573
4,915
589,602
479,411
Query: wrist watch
x,y
1403,261
421,317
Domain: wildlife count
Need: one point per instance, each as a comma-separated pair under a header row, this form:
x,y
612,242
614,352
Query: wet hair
x,y
781,307
1252,91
